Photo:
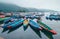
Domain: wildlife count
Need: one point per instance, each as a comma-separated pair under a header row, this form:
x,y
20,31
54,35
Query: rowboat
x,y
6,25
2,20
17,23
25,24
46,27
34,24
8,20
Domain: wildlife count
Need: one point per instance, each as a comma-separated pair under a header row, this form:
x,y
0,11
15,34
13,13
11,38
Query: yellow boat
x,y
25,24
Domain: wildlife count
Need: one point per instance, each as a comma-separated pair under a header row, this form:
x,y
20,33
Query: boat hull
x,y
46,27
25,24
19,22
34,24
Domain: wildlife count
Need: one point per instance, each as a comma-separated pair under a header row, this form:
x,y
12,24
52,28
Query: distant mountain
x,y
40,10
8,7
14,8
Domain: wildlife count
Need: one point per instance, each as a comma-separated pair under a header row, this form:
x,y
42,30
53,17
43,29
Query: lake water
x,y
30,34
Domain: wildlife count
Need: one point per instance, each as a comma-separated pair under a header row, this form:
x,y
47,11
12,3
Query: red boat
x,y
2,15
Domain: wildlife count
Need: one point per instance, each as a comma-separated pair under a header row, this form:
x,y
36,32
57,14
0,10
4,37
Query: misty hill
x,y
14,8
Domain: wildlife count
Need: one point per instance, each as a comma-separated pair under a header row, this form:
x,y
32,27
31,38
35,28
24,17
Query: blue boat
x,y
8,20
34,24
11,19
53,17
32,17
6,25
19,22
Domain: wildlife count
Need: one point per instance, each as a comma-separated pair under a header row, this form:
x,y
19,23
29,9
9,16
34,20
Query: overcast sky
x,y
40,4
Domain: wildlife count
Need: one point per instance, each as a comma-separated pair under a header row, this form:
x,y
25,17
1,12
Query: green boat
x,y
2,20
46,27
